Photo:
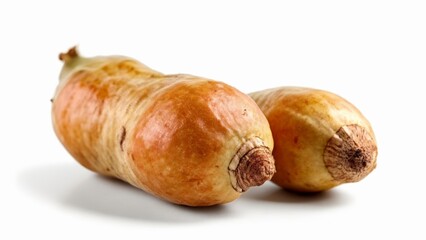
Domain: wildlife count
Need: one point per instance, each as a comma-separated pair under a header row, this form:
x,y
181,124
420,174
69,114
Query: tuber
x,y
321,140
186,139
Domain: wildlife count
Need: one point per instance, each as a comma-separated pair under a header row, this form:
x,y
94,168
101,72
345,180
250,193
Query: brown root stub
x,y
72,53
253,165
255,168
350,155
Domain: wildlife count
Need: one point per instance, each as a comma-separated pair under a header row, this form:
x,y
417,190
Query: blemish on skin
x,y
245,112
296,140
51,100
122,137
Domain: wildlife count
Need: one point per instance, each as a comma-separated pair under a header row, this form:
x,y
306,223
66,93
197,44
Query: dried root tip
x,y
350,155
66,57
255,168
253,165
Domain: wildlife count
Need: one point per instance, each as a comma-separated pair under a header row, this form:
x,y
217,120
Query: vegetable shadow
x,y
74,187
273,194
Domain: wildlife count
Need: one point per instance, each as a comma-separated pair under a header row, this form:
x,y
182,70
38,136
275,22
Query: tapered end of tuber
x,y
350,155
71,60
253,165
71,54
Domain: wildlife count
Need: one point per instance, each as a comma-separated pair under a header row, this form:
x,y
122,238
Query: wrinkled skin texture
x,y
170,135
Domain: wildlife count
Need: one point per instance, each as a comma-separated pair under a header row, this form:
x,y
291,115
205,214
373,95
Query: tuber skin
x,y
173,136
321,140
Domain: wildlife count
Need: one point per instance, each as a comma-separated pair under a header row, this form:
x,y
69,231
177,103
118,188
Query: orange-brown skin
x,y
303,121
171,135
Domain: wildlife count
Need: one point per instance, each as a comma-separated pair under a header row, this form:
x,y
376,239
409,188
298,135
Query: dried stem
x,y
72,53
350,154
253,165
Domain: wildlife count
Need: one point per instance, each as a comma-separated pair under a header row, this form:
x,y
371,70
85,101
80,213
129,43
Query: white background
x,y
372,53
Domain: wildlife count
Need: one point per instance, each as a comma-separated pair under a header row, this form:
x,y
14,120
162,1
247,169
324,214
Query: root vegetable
x,y
185,139
321,140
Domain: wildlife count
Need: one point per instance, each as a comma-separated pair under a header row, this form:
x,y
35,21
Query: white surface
x,y
373,53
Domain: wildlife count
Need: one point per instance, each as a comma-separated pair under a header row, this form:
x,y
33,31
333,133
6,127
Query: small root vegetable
x,y
185,139
321,140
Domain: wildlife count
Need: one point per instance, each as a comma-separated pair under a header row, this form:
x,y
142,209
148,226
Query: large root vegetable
x,y
321,140
186,139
